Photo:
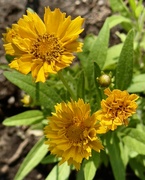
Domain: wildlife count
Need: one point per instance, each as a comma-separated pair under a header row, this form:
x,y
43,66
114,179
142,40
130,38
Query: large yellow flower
x,y
72,132
117,108
43,47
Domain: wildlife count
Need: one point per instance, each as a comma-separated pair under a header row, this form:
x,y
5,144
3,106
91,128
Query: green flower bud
x,y
104,80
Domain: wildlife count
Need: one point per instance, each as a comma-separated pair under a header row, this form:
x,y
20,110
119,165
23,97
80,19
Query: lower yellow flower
x,y
117,108
72,132
43,47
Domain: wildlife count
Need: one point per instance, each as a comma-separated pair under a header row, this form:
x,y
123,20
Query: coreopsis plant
x,y
43,47
88,110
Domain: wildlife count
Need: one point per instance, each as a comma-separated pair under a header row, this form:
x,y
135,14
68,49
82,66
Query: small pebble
x,y
11,100
4,169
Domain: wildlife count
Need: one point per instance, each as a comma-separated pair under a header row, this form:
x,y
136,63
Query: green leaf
x,y
25,118
97,74
135,141
124,68
49,159
138,168
119,7
9,58
99,49
59,172
134,145
80,174
86,63
104,158
117,165
89,170
91,165
81,86
117,19
4,67
33,158
112,57
124,153
139,10
88,43
96,158
138,84
132,4
95,54
40,92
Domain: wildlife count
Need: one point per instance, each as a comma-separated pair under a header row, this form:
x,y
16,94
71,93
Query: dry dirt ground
x,y
15,142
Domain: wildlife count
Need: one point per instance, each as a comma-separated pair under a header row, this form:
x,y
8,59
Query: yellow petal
x,y
14,64
41,75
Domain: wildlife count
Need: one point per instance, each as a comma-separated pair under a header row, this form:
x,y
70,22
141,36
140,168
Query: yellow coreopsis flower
x,y
117,108
43,47
72,132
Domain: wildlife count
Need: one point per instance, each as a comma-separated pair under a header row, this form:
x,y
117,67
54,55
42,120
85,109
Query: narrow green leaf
x,y
4,67
59,172
112,57
99,49
139,11
104,158
135,140
32,159
43,94
132,4
9,58
117,165
91,165
97,74
139,78
124,153
119,7
81,86
88,43
117,19
134,145
138,84
25,118
96,158
137,87
80,174
86,63
49,159
95,54
124,68
138,168
89,170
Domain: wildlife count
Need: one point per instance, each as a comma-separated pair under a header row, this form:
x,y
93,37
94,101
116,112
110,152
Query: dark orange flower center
x,y
78,133
74,132
47,47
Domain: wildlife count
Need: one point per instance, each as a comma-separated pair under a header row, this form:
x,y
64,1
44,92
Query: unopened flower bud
x,y
104,80
26,100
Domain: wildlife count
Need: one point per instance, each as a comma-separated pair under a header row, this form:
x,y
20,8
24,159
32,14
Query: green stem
x,y
66,85
37,92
